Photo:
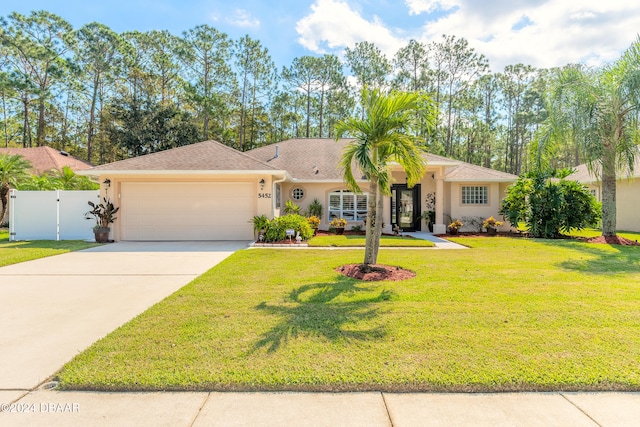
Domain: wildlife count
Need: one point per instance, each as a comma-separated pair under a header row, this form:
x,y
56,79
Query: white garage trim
x,y
186,210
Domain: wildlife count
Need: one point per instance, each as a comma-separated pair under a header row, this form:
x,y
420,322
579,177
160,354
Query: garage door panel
x,y
187,211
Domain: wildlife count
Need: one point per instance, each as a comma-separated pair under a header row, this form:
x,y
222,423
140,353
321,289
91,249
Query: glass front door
x,y
405,207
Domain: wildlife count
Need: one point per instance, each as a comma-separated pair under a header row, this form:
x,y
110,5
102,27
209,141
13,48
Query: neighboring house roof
x,y
204,156
45,158
319,160
583,175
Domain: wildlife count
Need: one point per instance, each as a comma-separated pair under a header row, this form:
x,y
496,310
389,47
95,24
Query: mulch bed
x,y
378,272
613,240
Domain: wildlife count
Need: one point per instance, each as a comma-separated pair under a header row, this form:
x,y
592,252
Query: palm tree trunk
x,y
378,224
4,199
370,253
608,195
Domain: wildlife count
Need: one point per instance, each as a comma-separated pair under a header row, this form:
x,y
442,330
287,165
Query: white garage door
x,y
186,210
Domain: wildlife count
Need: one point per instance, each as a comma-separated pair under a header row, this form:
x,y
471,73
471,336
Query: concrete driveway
x,y
53,308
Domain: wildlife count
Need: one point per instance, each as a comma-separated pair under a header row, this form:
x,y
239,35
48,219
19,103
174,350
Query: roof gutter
x,y
147,172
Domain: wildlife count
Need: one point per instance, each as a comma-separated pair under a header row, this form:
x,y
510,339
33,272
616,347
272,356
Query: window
x,y
347,205
278,198
475,195
297,193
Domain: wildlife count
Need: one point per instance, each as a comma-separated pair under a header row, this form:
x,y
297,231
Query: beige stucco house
x,y
208,191
627,194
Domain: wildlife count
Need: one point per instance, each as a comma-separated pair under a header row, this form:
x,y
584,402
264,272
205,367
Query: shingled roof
x,y
305,159
319,160
582,174
44,159
465,172
201,156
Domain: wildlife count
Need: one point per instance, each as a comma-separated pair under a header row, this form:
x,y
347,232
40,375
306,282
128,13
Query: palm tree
x,y
13,169
599,110
380,138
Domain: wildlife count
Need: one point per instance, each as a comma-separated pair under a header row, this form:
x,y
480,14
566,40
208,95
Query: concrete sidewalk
x,y
439,242
372,409
53,308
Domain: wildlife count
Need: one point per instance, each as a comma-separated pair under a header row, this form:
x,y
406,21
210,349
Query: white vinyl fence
x,y
51,215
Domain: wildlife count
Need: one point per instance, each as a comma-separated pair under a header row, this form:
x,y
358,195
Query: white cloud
x,y
416,7
242,18
333,24
555,32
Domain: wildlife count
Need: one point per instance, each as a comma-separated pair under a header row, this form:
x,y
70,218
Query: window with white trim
x,y
348,205
297,193
475,195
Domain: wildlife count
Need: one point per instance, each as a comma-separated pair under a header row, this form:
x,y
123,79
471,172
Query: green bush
x,y
291,208
315,208
550,207
277,228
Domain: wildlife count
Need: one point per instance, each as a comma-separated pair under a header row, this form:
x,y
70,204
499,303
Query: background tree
x,y
381,137
303,76
205,55
95,56
369,65
599,108
37,44
256,80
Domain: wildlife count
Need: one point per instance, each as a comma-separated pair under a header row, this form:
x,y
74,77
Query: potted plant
x,y
429,218
491,225
103,213
315,209
338,224
260,225
314,222
454,226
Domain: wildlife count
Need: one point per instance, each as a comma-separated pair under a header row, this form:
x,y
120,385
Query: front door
x,y
405,207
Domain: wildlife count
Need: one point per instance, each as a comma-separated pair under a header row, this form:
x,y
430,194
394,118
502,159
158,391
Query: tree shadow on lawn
x,y
600,259
314,311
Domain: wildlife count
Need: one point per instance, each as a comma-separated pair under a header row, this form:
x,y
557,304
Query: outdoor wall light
x,y
261,184
107,182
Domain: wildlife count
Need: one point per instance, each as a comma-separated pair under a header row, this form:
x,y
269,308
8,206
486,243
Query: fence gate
x,y
50,215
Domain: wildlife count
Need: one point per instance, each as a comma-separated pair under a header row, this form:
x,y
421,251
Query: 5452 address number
x,y
264,195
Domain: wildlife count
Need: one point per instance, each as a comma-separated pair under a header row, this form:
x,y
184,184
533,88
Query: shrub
x,y
338,223
277,229
291,208
313,221
550,207
260,222
315,208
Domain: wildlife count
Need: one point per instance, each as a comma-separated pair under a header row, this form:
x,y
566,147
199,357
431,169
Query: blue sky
x,y
542,33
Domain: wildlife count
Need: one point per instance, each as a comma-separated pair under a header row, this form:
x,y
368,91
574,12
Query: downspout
x,y
273,191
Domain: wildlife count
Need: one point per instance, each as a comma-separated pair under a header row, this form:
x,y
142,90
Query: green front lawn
x,y
509,314
15,252
359,241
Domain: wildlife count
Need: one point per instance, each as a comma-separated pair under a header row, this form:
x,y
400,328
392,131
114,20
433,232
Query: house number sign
x,y
264,195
